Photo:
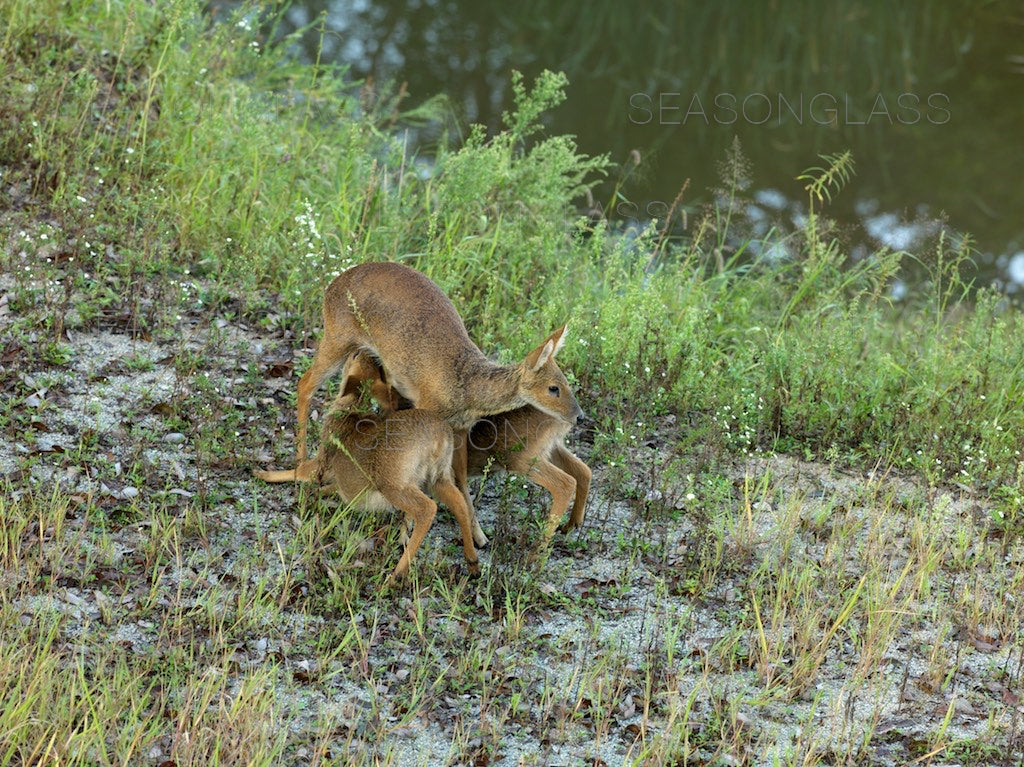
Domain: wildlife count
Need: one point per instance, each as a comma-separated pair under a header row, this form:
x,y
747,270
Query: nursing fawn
x,y
529,442
524,441
384,461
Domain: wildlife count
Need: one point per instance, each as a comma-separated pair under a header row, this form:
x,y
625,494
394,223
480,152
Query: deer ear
x,y
559,337
539,357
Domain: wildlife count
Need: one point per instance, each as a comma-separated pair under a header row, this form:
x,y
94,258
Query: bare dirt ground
x,y
638,641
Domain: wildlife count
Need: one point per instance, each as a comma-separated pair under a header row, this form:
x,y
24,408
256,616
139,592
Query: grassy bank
x,y
175,181
208,164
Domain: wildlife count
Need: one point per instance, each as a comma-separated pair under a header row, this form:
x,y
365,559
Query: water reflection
x,y
1014,270
929,97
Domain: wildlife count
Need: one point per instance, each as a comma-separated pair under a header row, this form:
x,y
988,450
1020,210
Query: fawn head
x,y
543,384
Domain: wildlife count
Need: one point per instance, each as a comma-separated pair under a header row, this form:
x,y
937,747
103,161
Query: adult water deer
x,y
384,461
406,323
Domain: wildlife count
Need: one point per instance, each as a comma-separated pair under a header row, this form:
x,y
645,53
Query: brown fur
x,y
362,375
407,324
385,461
524,441
528,442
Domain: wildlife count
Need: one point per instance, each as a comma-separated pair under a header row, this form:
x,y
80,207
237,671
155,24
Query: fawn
x,y
383,462
363,376
407,324
528,442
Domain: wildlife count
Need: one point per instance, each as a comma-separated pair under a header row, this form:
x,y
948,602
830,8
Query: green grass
x,y
177,181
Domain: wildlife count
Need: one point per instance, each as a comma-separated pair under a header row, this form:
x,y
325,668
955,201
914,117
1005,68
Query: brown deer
x,y
525,441
529,442
406,323
384,461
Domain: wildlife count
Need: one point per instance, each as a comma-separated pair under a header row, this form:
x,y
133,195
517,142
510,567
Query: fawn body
x,y
529,442
383,462
405,322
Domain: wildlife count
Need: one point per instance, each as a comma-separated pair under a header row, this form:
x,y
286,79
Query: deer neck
x,y
490,389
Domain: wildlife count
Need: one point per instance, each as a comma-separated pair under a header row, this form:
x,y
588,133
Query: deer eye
x,y
554,391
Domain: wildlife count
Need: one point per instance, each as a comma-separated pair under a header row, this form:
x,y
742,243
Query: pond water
x,y
928,97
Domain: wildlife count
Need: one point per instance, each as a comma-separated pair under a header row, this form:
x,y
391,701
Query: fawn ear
x,y
539,357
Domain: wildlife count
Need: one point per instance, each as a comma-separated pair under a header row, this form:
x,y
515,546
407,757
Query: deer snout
x,y
577,412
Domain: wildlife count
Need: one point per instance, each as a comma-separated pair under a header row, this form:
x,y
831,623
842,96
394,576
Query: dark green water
x,y
928,96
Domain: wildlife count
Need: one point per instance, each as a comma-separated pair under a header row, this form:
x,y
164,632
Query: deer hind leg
x,y
448,494
415,503
560,485
330,355
306,471
570,464
460,467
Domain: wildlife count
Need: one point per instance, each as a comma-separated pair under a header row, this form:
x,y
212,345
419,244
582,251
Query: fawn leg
x,y
460,467
306,471
450,496
570,464
560,485
415,503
